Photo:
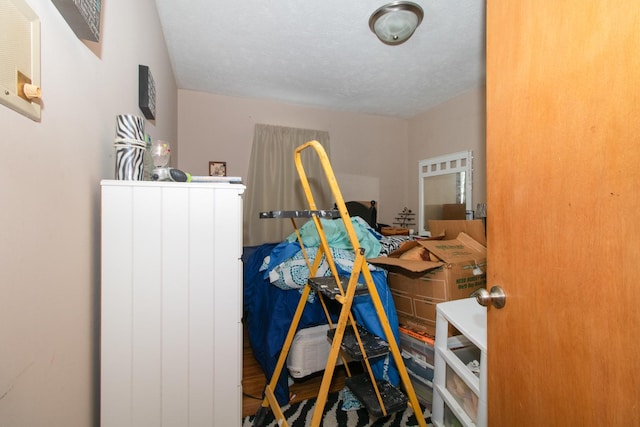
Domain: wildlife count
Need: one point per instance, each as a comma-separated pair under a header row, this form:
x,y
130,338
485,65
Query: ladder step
x,y
374,346
393,399
329,287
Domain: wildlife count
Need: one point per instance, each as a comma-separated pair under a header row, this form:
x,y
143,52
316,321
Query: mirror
x,y
444,189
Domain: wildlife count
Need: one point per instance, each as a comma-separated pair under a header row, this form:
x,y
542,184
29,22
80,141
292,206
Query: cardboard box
x,y
451,228
457,211
454,269
394,231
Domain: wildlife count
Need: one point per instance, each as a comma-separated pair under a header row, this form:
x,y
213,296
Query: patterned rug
x,y
300,414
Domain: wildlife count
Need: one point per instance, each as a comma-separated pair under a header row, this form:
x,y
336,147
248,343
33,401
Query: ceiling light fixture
x,y
395,22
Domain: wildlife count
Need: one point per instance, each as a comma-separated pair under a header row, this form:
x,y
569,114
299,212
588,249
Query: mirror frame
x,y
441,165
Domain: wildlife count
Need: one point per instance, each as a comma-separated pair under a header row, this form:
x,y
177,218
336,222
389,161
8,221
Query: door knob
x,y
495,296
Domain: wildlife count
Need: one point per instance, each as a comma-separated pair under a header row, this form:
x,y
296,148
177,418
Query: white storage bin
x,y
423,389
417,348
309,351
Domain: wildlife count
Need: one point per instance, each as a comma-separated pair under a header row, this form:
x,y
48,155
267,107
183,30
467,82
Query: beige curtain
x,y
273,182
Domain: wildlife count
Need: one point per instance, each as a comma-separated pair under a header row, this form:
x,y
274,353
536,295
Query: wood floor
x,y
254,381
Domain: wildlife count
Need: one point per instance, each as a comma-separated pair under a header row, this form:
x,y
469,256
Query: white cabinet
x,y
460,396
171,334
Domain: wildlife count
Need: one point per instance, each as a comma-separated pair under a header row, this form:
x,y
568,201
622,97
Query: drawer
x,y
467,353
450,420
462,394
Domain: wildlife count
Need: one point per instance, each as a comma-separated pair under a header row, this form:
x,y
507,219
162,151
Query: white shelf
x,y
470,319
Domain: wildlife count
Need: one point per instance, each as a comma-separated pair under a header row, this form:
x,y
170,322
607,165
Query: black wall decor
x,y
83,16
146,92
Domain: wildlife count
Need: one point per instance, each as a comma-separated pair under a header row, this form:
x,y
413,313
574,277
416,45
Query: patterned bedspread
x,y
273,277
288,268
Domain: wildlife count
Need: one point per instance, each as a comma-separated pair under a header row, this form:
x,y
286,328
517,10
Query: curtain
x,y
273,183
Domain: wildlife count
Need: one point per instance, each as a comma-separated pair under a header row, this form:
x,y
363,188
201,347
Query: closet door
x,y
171,304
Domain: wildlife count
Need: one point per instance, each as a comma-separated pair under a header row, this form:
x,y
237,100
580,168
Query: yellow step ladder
x,y
380,397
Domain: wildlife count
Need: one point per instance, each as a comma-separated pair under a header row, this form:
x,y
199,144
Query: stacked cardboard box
x,y
445,270
449,229
424,273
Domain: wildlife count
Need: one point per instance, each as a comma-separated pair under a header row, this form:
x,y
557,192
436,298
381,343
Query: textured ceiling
x,y
321,53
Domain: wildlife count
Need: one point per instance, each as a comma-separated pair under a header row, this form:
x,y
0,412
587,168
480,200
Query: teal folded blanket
x,y
337,236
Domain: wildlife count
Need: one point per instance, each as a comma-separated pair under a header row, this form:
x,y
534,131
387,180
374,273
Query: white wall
x,y
50,239
373,157
50,216
368,153
456,125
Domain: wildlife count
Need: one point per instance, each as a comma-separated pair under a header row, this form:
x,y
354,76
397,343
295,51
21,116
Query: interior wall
x,y
368,153
50,244
456,125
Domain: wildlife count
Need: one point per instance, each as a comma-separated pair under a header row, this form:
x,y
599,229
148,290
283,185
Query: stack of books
x,y
228,179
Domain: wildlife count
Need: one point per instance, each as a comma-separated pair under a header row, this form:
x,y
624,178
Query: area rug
x,y
300,415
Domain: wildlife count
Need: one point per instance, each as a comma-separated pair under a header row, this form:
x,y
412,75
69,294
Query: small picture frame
x,y
217,168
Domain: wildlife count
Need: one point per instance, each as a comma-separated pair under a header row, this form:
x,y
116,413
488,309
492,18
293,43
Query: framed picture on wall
x,y
146,92
82,16
217,168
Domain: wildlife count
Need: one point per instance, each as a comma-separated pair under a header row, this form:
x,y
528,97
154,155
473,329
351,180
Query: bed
x,y
273,274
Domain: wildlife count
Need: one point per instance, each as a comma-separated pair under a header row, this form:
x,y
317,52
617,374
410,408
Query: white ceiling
x,y
321,53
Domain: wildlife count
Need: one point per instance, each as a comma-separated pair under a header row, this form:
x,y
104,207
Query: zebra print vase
x,y
129,127
129,161
130,147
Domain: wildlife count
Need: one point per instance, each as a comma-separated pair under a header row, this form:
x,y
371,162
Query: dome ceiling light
x,y
395,22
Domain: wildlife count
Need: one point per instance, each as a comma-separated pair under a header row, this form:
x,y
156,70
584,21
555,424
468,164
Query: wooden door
x,y
563,207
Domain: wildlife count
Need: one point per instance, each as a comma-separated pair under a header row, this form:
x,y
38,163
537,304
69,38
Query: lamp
x,y
395,22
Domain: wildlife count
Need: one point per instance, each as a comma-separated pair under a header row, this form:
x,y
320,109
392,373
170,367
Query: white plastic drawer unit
x,y
460,377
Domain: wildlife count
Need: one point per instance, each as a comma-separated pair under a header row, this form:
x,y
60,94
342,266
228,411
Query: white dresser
x,y
171,342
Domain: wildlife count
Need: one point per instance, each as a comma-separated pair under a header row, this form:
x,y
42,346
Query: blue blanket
x,y
269,311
